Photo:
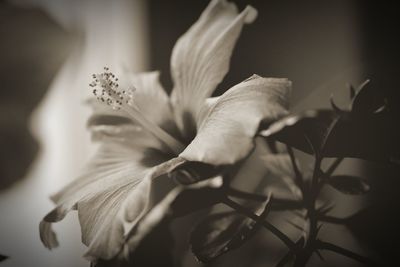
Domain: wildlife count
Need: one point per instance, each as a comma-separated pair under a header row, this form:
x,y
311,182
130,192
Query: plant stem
x,y
331,219
239,208
342,251
305,254
246,195
333,166
329,172
299,176
276,203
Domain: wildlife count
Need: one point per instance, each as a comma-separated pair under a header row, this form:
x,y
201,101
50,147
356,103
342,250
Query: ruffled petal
x,y
107,218
226,134
99,216
200,58
114,193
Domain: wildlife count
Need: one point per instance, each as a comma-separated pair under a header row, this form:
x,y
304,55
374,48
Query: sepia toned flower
x,y
143,133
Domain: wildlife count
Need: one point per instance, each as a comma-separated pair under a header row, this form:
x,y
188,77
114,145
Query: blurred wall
x,y
105,33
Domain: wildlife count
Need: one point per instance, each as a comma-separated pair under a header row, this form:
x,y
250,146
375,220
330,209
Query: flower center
x,y
105,88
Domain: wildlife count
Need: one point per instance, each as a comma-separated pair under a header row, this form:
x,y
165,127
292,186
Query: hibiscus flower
x,y
143,133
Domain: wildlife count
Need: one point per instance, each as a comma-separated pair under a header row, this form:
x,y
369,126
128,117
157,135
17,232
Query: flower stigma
x,y
106,90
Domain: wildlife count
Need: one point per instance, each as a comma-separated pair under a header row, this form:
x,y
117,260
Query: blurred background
x,y
48,50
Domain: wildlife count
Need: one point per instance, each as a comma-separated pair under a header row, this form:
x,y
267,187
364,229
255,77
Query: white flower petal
x,y
226,134
200,58
113,193
119,213
206,108
151,97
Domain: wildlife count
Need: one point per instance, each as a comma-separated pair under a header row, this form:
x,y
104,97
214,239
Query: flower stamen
x,y
106,89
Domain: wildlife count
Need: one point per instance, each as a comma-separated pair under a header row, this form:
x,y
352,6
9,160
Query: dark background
x,y
306,42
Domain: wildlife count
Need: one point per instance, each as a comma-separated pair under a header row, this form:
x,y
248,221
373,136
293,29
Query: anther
x,y
106,83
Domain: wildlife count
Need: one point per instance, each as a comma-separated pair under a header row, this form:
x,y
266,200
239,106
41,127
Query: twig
x,y
329,172
333,166
299,176
239,208
305,254
246,195
342,251
276,204
331,219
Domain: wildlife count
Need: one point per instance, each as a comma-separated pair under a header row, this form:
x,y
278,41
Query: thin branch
x,y
333,220
333,166
286,204
316,175
246,195
276,204
306,253
284,238
329,172
342,251
299,176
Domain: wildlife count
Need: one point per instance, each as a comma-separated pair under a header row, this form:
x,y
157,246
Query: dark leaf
x,y
221,232
2,257
305,131
349,184
373,137
367,131
366,100
352,91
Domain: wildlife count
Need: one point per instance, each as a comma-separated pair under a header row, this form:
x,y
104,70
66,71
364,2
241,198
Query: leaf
x,y
3,258
348,184
371,137
222,232
304,131
367,131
